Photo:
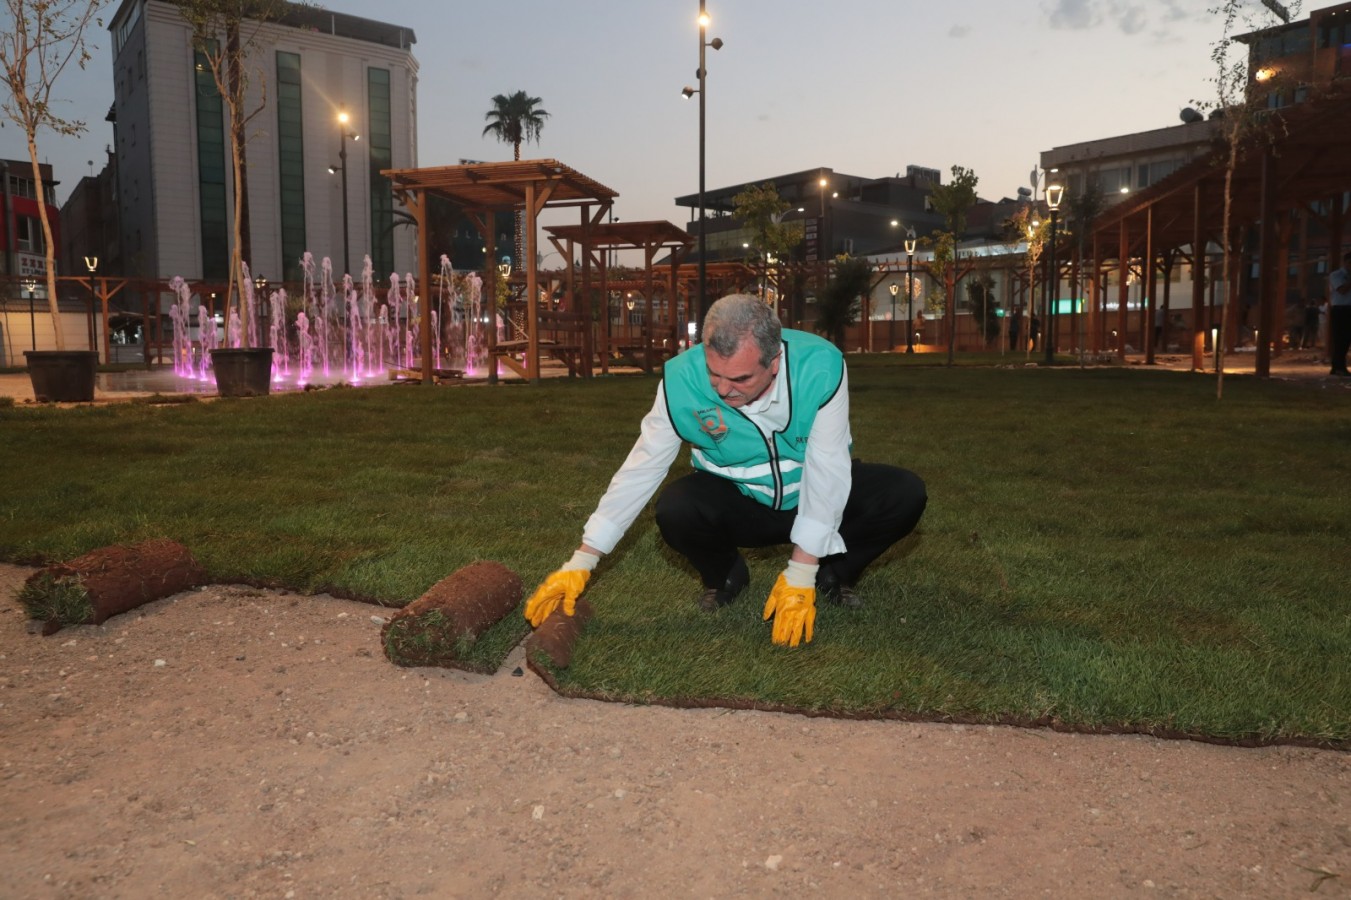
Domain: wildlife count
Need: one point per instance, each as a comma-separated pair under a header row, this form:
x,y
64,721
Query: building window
x,y
211,151
22,187
381,157
291,163
29,234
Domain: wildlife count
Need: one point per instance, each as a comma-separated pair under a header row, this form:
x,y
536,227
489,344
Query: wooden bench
x,y
562,336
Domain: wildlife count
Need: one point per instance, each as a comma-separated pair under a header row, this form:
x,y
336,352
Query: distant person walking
x,y
1339,315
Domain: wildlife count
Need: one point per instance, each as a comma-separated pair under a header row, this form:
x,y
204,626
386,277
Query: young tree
x,y
952,201
839,304
223,33
1083,208
35,48
760,210
515,119
1026,225
980,298
1241,112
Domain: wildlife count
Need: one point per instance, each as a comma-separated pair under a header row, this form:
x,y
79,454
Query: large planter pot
x,y
62,376
242,371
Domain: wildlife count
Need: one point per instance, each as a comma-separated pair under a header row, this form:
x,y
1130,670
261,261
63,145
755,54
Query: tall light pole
x,y
341,167
1054,194
909,290
822,183
688,92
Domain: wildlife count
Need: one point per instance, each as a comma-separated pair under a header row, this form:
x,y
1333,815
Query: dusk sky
x,y
862,86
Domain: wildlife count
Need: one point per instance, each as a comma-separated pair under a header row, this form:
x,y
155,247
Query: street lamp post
x,y
909,290
92,264
260,306
341,167
688,92
31,286
895,289
1054,194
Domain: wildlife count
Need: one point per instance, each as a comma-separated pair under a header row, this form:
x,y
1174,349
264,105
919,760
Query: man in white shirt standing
x,y
1339,315
766,413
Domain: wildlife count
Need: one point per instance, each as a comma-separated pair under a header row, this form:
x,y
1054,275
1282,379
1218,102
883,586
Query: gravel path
x,y
232,742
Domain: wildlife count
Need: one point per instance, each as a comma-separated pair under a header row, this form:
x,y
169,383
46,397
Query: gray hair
x,y
736,317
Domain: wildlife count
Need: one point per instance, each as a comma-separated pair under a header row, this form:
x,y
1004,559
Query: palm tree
x,y
514,120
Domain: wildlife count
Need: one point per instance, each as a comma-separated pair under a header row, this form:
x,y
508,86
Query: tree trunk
x,y
950,314
237,139
50,248
519,244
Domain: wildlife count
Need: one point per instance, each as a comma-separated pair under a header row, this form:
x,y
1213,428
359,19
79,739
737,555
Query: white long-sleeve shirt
x,y
826,475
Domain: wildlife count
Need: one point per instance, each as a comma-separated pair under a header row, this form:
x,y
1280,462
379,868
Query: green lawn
x,y
1103,549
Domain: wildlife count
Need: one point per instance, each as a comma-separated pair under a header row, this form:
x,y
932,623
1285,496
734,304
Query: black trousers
x,y
705,519
1339,328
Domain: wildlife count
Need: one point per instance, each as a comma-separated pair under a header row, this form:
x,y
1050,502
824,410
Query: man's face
x,y
740,378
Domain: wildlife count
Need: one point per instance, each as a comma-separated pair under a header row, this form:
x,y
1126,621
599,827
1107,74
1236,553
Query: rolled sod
x,y
558,633
438,628
90,589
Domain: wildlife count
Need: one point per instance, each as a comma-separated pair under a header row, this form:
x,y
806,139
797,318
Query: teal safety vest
x,y
726,443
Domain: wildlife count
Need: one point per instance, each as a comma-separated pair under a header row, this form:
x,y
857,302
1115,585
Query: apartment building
x,y
338,95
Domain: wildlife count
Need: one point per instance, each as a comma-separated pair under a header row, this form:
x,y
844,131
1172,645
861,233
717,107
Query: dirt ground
x,y
232,742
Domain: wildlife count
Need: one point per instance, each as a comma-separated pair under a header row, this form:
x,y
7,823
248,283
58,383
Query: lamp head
x,y
343,118
1054,194
894,288
716,43
704,20
910,242
92,263
687,92
333,170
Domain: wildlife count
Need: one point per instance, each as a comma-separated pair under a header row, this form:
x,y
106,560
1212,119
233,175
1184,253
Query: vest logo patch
x,y
711,423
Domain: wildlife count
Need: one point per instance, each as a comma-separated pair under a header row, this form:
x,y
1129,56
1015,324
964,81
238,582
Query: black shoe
x,y
829,589
736,582
1342,372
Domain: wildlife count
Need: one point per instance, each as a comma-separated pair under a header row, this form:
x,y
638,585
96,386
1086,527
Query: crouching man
x,y
765,411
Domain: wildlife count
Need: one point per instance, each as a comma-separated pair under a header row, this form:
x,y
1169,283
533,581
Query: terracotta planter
x,y
242,371
62,376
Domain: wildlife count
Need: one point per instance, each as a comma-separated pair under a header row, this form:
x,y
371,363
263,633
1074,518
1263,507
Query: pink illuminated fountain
x,y
337,330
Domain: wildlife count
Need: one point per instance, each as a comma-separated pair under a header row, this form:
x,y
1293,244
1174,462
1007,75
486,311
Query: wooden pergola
x,y
482,189
1296,163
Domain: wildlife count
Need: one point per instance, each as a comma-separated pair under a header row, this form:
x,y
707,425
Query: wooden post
x,y
1122,290
1267,256
1200,312
1151,284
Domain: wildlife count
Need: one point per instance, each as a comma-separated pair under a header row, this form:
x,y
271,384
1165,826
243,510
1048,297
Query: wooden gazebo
x,y
482,189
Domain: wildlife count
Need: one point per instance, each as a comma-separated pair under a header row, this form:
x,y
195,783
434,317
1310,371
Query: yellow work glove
x,y
792,604
563,586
